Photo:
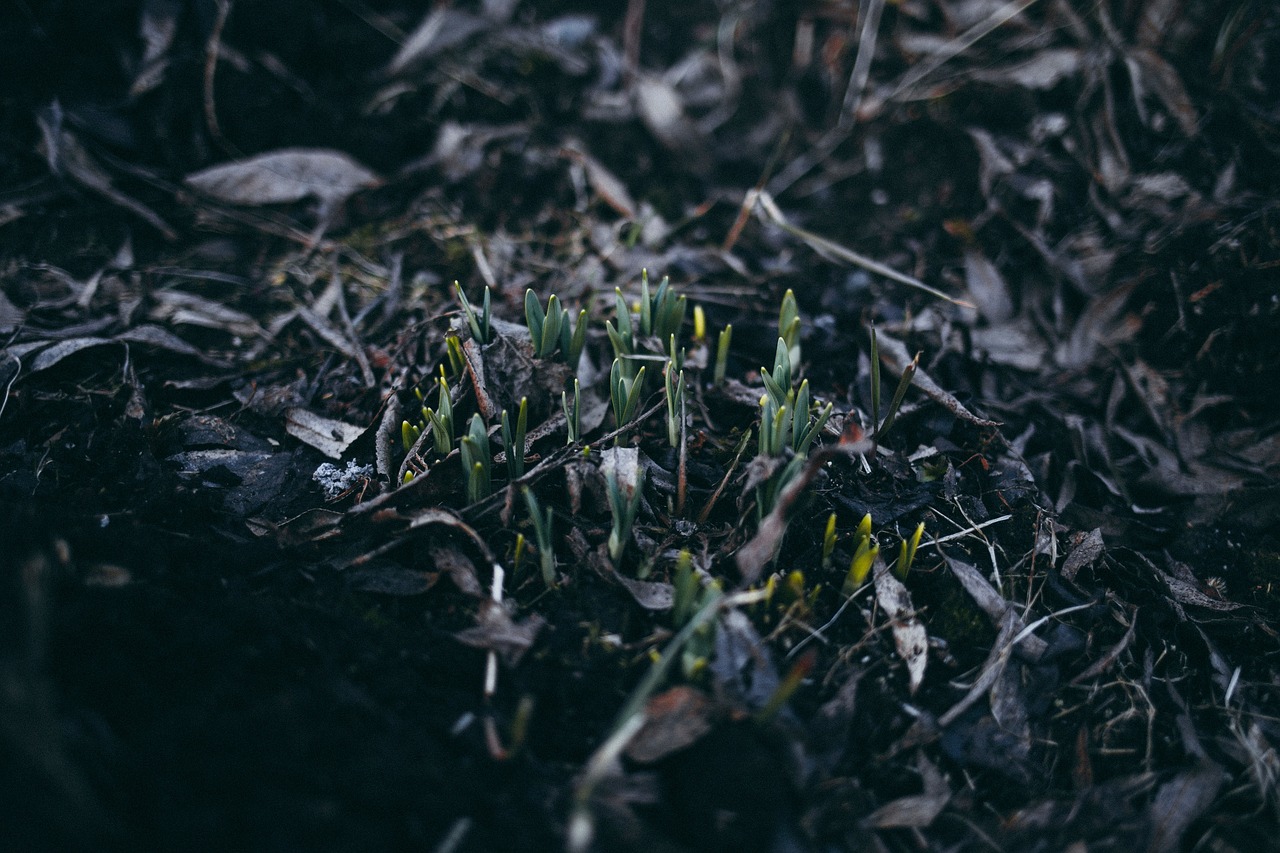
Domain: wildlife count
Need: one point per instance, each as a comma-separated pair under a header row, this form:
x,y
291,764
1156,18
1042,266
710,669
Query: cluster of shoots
x,y
550,329
640,333
689,597
786,420
866,550
789,420
438,420
661,316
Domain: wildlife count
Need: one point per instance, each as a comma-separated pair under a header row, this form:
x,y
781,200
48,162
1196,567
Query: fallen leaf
x,y
331,437
909,637
283,176
495,631
915,810
1179,802
673,720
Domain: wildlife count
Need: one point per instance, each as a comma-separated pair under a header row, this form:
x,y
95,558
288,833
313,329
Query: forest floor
x,y
965,537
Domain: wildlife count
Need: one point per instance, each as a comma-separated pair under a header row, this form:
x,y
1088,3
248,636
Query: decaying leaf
x,y
284,176
331,437
391,580
915,810
1179,802
496,631
673,720
743,666
987,286
441,29
909,636
992,603
1083,554
606,184
651,595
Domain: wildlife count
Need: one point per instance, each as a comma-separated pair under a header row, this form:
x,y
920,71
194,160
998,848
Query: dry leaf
x,y
287,175
331,437
909,637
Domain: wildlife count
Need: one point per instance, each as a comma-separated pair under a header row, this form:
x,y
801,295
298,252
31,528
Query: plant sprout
x,y
542,532
624,508
513,441
480,329
476,460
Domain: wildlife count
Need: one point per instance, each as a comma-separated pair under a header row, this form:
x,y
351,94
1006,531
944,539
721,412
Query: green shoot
x,y
907,552
675,355
803,431
828,541
775,426
476,460
623,335
863,557
686,589
572,414
517,555
699,324
513,441
675,404
544,326
860,566
572,342
624,508
542,532
624,393
778,381
903,384
453,348
441,420
722,354
479,323
409,435
789,325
